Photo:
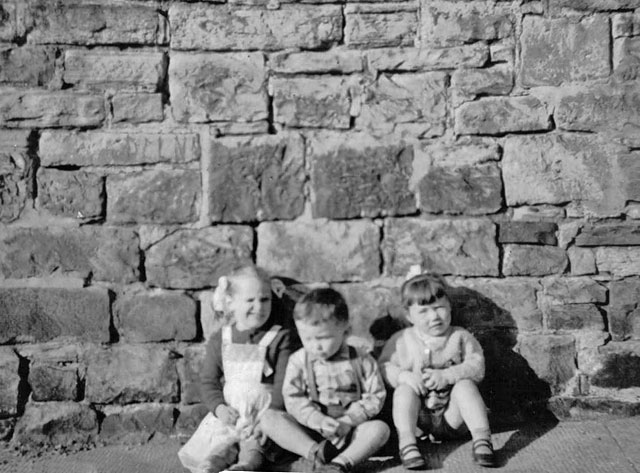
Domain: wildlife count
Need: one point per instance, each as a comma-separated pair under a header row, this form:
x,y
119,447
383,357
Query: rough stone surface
x,y
189,369
50,382
619,261
135,424
218,27
259,178
31,66
624,310
154,197
355,175
214,87
71,194
574,317
609,235
380,25
137,108
620,366
550,356
189,419
575,290
604,5
626,58
326,250
460,154
41,314
496,80
333,61
197,258
9,382
9,27
528,232
582,261
113,148
463,247
625,24
494,116
16,167
156,317
106,253
533,260
416,59
124,374
557,50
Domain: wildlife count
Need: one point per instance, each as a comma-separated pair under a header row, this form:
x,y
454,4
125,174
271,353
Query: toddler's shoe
x,y
412,458
483,458
334,467
248,460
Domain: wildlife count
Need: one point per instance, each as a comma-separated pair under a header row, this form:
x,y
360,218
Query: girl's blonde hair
x,y
226,284
423,289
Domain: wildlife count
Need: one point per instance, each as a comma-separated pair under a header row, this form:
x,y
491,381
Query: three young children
x,y
321,402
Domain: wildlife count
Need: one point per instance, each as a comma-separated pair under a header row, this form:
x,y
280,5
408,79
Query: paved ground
x,y
566,447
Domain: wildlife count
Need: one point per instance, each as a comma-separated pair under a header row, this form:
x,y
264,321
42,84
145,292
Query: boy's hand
x,y
413,380
329,427
343,429
227,414
434,379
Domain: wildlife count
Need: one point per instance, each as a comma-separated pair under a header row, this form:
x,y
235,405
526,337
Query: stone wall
x,y
147,146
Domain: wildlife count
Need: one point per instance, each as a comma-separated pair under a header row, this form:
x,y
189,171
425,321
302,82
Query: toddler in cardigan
x,y
433,368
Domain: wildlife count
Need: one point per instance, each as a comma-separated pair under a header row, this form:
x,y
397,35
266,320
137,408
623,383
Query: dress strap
x,y
226,335
270,336
357,368
311,379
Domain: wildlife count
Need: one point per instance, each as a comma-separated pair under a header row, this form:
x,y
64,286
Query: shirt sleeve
x,y
472,366
393,359
296,398
373,392
281,352
211,374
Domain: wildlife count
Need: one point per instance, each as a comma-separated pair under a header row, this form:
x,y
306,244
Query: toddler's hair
x,y
321,305
423,289
249,270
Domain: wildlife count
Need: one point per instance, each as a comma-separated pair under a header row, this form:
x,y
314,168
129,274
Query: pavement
x,y
604,445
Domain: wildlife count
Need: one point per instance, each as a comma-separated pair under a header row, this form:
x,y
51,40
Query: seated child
x,y
433,368
245,363
331,391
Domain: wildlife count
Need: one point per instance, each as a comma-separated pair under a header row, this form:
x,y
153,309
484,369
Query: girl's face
x,y
250,302
431,319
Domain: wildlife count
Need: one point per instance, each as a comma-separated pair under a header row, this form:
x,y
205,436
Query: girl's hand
x,y
413,380
227,414
329,427
434,379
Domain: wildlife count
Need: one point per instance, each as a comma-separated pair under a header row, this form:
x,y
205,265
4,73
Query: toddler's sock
x,y
250,457
324,451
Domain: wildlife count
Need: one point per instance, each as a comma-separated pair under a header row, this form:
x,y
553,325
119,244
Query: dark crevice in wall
x,y
34,164
270,116
24,388
114,336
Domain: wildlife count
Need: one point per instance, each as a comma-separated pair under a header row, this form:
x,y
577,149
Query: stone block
x,y
256,178
469,190
95,24
42,109
156,316
154,197
41,314
208,87
16,167
9,382
495,80
51,382
582,261
552,357
189,369
396,100
456,23
6,428
11,23
417,59
107,253
626,58
380,25
125,374
557,50
342,61
356,175
325,250
30,66
135,424
543,233
74,194
619,262
533,260
503,51
574,317
137,108
237,128
463,247
460,154
222,27
189,419
565,168
318,102
623,310
498,115
113,148
574,290
536,213
56,424
625,24
608,235
620,366
598,5
188,259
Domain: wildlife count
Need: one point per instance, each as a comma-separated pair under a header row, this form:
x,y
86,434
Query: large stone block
x,y
619,262
336,60
31,66
197,258
398,101
114,70
74,194
356,175
620,366
528,232
135,424
219,27
154,197
55,373
113,148
603,5
325,250
41,314
137,108
495,116
609,235
416,59
557,50
156,316
16,167
256,178
321,102
463,247
574,317
93,23
106,253
9,382
533,260
41,109
623,310
574,290
496,80
214,87
380,25
124,374
189,369
552,357
594,173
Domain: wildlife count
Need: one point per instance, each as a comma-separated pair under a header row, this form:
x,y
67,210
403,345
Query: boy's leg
x,y
406,405
366,439
466,406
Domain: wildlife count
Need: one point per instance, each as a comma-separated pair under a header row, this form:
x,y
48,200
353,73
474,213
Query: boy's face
x,y
250,302
431,319
322,340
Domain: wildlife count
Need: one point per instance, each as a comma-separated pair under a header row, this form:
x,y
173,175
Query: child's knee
x,y
376,431
403,393
464,387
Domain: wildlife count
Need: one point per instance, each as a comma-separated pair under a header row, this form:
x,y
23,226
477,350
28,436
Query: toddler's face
x,y
431,319
323,340
250,302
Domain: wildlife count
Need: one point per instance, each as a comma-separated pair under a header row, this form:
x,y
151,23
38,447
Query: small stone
x,y
533,260
528,232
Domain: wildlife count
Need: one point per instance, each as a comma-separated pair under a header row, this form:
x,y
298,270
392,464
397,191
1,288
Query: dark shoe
x,y
249,459
334,468
483,459
409,461
326,451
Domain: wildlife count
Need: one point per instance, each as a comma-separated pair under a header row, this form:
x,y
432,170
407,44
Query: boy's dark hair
x,y
423,289
321,305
